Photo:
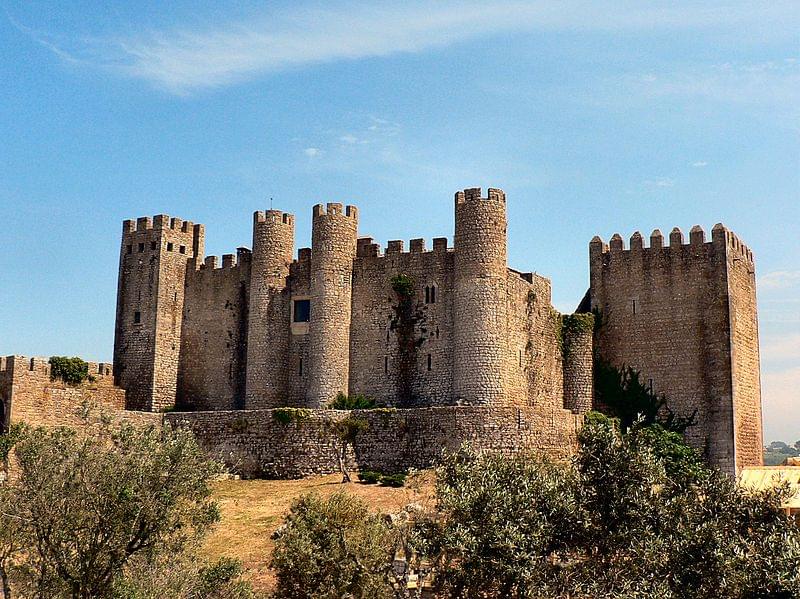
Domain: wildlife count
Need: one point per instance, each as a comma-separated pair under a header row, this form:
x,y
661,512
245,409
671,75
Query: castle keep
x,y
458,345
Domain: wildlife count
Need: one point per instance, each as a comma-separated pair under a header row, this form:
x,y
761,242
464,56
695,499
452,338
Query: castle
x,y
457,345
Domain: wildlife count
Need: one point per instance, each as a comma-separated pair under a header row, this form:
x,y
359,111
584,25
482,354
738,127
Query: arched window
x,y
430,294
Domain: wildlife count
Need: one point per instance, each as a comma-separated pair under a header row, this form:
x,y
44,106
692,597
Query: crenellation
x,y
269,328
395,246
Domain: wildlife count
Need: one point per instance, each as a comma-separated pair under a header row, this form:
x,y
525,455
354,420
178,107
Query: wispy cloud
x,y
699,164
185,59
779,279
660,182
311,152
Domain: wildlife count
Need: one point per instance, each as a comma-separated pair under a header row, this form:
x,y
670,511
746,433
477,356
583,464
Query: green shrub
x,y
369,477
287,415
72,371
352,402
331,548
403,285
393,480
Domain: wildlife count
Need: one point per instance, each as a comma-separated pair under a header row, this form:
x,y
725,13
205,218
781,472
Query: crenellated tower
x,y
480,305
269,314
684,315
333,248
150,293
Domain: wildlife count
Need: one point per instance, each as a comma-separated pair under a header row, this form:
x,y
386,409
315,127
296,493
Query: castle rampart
x,y
667,312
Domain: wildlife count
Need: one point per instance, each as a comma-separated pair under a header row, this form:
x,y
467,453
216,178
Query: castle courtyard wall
x,y
254,443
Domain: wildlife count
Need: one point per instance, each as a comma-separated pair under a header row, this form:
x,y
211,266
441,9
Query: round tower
x,y
333,249
480,304
268,321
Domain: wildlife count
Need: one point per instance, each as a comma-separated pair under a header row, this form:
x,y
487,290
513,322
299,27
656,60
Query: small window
x,y
169,247
302,310
430,362
386,365
153,245
130,249
182,249
634,306
137,317
141,248
430,294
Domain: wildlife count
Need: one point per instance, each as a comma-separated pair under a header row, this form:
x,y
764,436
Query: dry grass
x,y
253,509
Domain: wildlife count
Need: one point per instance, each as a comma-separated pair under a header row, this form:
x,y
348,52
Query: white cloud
x,y
349,139
781,348
311,152
184,59
781,404
660,182
779,279
699,164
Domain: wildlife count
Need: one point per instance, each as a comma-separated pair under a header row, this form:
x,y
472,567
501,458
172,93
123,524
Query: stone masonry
x,y
452,342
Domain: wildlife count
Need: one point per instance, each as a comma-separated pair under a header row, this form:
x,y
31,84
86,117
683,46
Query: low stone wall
x,y
254,443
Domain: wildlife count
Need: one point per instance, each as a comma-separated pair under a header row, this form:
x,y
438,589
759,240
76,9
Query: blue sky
x,y
595,117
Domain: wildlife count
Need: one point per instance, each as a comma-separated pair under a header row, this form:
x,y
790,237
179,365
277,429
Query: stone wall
x,y
255,443
214,337
665,311
30,395
150,297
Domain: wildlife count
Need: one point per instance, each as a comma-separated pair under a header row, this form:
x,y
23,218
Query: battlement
x,y
158,222
334,208
473,194
367,248
720,237
229,261
275,216
22,366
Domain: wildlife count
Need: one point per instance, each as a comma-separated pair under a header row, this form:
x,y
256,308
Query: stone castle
x,y
457,345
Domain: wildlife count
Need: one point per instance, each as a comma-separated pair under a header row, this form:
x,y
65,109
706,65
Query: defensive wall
x,y
684,315
28,394
258,443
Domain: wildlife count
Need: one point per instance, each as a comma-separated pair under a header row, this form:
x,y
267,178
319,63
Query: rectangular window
x,y
182,249
430,362
137,317
152,245
302,310
386,365
169,247
141,248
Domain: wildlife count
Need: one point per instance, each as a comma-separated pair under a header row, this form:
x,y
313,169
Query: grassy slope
x,y
253,509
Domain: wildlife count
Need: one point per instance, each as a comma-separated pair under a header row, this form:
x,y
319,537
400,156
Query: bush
x,y
85,508
332,548
72,371
369,477
352,402
403,285
393,480
287,415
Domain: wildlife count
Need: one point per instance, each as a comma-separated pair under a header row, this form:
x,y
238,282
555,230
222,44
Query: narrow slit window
x,y
433,294
427,295
137,317
634,306
430,362
300,370
386,365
